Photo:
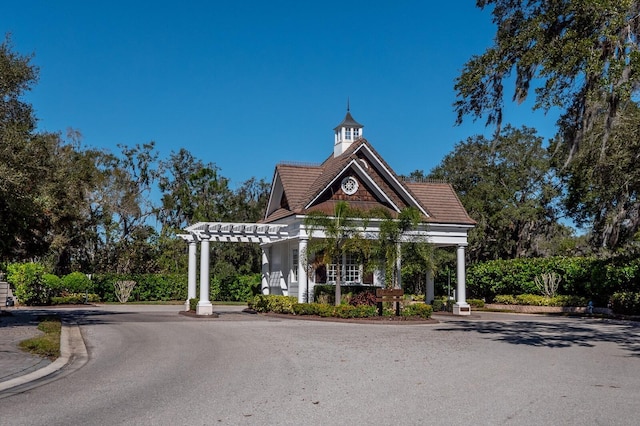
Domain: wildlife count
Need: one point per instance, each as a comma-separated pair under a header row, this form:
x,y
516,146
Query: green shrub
x,y
193,304
625,303
421,310
344,311
27,280
273,303
305,309
53,282
476,303
76,282
537,300
561,300
532,300
591,278
259,303
325,310
149,287
505,299
75,299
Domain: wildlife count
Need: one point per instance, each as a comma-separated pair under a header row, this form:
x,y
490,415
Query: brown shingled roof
x,y
441,202
303,183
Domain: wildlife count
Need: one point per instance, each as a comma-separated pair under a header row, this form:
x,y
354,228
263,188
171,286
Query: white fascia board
x,y
276,186
363,175
399,187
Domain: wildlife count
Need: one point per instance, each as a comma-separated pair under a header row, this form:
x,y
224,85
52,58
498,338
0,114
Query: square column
x,y
461,307
204,305
193,273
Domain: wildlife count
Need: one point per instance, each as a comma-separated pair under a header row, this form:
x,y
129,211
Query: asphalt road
x,y
151,366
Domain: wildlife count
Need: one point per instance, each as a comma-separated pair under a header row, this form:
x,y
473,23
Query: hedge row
x,y
626,303
289,305
594,279
537,300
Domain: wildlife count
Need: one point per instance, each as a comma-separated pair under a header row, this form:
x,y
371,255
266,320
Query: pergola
x,y
440,235
227,232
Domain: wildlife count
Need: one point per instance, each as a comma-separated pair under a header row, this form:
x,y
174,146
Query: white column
x,y
264,281
430,290
399,266
303,284
204,305
193,274
461,307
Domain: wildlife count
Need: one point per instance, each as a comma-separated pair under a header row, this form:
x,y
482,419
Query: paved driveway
x,y
150,366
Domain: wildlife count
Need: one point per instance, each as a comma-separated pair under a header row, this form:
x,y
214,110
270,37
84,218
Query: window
x,y
294,264
347,134
356,133
351,268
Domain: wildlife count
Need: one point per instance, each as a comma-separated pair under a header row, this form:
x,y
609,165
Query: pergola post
x,y
193,274
264,281
204,305
303,283
461,307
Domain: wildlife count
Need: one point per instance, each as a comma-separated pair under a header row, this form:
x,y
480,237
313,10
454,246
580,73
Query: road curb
x,y
72,350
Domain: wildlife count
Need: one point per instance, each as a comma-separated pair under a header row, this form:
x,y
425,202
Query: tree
x,y
127,240
578,56
603,191
341,232
390,238
19,171
508,187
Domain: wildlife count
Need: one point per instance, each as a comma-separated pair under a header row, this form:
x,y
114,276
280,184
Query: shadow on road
x,y
557,335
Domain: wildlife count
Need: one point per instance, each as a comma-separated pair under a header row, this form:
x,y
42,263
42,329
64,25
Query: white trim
x,y
398,185
232,232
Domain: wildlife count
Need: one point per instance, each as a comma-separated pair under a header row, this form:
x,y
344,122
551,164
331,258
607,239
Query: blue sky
x,y
248,84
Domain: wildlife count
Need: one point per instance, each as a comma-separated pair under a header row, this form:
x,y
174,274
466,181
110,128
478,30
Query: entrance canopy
x,y
231,232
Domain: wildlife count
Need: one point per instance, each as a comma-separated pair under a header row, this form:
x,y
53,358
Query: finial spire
x,y
348,104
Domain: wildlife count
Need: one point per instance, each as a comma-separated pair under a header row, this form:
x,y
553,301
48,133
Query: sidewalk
x,y
17,325
18,367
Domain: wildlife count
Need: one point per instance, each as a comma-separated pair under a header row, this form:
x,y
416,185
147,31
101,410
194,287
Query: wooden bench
x,y
392,295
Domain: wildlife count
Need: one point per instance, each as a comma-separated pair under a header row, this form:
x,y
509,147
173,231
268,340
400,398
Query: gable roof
x,y
299,189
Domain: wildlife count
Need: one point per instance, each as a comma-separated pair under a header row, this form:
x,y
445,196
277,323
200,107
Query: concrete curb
x,y
72,349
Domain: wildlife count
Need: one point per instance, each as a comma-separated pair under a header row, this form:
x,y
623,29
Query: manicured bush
x,y
53,282
476,303
421,310
594,279
149,287
76,282
75,299
273,303
626,303
305,309
30,288
537,300
505,299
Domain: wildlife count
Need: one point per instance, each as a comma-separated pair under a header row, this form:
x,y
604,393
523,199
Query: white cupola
x,y
346,133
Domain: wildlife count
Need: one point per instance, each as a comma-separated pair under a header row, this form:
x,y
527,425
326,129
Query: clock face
x,y
349,185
